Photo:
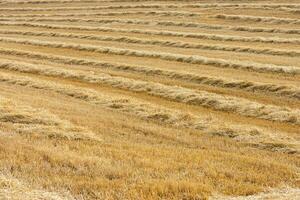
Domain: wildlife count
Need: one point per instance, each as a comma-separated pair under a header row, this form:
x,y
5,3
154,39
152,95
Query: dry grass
x,y
12,188
158,99
284,193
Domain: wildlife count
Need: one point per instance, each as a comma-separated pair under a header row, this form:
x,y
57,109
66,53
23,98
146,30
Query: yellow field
x,y
149,99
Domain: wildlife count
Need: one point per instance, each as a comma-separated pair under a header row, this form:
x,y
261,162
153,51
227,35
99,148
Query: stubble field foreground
x,y
149,99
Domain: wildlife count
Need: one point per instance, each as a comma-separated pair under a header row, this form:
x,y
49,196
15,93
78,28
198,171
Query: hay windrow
x,y
179,94
148,111
277,90
193,59
164,43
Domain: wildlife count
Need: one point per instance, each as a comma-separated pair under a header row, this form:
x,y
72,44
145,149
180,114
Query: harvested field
x,y
149,99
